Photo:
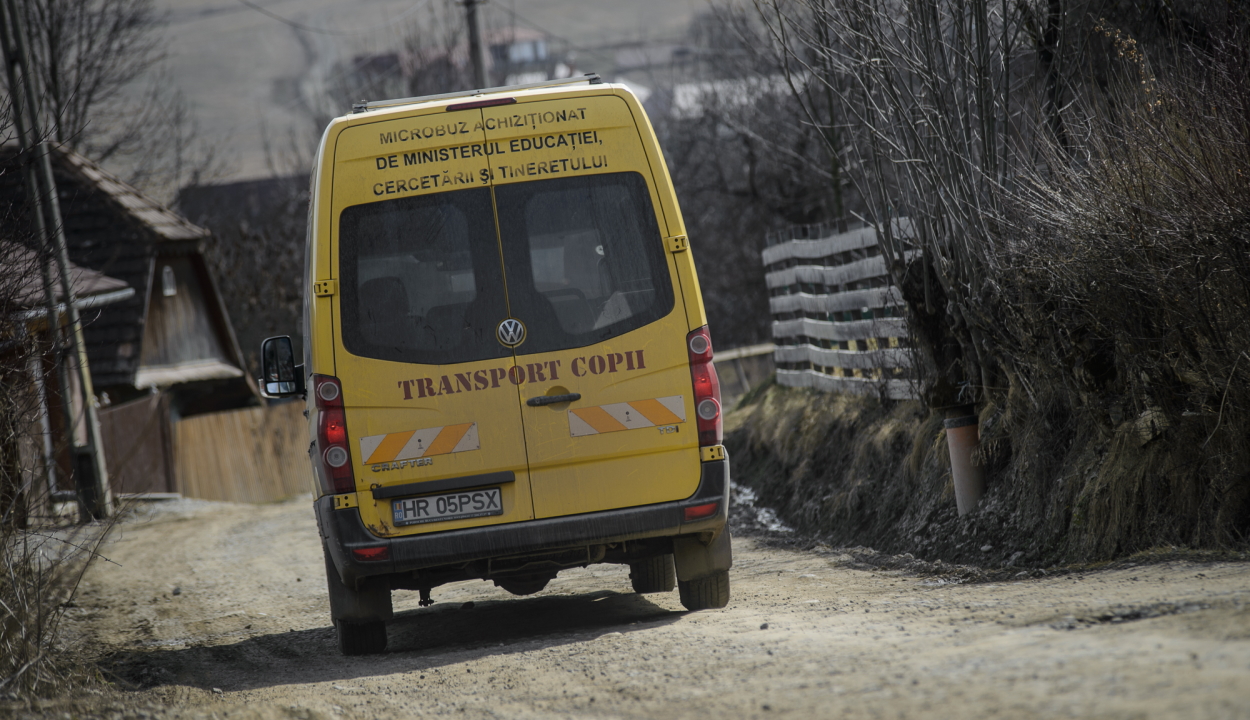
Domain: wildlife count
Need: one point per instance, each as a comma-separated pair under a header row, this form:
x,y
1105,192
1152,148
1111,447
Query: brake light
x,y
481,104
706,387
335,422
332,434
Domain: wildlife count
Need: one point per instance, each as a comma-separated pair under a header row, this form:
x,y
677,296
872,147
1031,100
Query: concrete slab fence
x,y
838,322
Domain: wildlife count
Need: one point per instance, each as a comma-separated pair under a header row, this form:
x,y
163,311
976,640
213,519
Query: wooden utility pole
x,y
477,52
91,481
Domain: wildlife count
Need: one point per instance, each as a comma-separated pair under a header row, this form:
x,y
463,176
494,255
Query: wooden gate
x,y
249,455
138,446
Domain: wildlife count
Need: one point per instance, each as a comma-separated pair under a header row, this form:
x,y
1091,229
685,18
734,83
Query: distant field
x,y
242,70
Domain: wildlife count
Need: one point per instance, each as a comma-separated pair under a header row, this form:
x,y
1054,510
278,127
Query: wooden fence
x,y
838,323
249,455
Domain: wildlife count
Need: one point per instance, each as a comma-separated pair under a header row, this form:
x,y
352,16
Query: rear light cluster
x,y
706,387
332,434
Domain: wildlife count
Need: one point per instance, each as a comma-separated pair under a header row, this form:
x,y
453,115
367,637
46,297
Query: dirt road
x,y
218,610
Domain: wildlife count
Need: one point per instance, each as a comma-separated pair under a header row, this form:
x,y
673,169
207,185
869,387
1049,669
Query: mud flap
x,y
369,602
695,560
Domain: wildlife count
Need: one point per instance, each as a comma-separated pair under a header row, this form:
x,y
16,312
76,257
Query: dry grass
x,y
41,571
841,467
42,557
1127,289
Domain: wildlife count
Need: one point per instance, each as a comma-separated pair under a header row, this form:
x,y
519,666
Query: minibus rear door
x,y
433,409
608,406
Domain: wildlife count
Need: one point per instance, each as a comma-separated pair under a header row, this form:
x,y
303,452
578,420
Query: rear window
x,y
584,258
421,280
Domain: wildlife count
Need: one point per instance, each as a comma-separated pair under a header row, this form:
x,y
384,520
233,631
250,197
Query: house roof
x,y
22,265
165,223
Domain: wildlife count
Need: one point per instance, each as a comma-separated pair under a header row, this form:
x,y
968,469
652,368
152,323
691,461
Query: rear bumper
x,y
342,531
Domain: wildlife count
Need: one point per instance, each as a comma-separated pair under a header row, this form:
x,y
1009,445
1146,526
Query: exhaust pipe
x,y
962,438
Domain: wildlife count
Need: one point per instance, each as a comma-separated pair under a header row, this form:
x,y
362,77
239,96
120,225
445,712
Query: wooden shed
x,y
165,353
174,335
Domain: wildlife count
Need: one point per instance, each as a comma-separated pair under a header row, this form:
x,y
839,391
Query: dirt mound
x,y
860,471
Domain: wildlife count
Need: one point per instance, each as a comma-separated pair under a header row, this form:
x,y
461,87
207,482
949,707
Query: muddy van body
x,y
506,358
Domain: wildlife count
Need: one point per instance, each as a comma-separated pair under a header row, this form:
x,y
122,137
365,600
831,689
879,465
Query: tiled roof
x,y
163,221
22,263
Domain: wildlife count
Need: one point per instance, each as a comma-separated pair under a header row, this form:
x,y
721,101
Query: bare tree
x,y
1071,167
925,90
42,560
742,164
431,58
98,70
944,108
89,53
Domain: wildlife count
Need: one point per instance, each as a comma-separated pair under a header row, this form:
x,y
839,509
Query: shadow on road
x,y
422,639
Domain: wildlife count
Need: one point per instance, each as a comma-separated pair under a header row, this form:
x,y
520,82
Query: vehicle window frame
x,y
520,273
488,275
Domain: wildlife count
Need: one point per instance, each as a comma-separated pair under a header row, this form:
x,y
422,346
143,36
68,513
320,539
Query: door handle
x,y
541,400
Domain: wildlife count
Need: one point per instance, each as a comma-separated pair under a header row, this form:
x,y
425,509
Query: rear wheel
x,y
705,593
653,575
359,613
368,638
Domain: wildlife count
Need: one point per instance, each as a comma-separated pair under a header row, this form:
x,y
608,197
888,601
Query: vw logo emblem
x,y
511,332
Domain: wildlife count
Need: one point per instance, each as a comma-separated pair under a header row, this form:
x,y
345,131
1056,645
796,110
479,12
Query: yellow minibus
x,y
507,364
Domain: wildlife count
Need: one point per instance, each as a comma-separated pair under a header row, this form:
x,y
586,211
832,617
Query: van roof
x,y
590,78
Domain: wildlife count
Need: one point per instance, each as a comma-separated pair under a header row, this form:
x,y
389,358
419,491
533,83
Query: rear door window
x,y
421,279
585,259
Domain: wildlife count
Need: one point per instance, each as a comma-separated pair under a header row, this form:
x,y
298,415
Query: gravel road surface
x,y
219,610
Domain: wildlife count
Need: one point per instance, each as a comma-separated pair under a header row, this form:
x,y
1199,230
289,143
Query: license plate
x,y
448,506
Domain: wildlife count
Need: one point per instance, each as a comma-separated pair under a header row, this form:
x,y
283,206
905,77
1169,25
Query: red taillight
x,y
334,426
707,407
332,434
701,511
372,553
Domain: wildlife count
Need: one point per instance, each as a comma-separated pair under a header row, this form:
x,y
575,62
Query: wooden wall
x,y
249,455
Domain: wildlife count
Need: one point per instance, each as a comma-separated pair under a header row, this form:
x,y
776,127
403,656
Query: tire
x,y
653,575
705,593
359,614
524,585
361,638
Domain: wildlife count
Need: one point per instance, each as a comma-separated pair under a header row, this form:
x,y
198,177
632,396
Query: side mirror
x,y
280,376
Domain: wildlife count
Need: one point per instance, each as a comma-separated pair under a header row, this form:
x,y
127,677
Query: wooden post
x,y
477,53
